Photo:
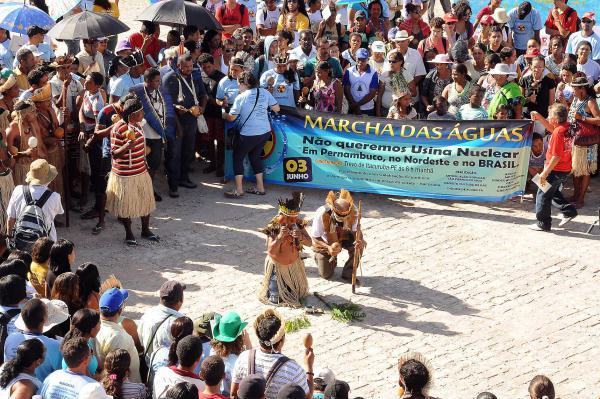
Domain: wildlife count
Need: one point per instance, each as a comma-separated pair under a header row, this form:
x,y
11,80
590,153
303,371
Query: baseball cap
x,y
360,14
113,299
171,290
532,53
487,20
326,375
378,47
449,17
362,53
252,387
589,15
291,391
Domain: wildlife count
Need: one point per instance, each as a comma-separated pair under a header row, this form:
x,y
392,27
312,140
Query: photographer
x,y
252,132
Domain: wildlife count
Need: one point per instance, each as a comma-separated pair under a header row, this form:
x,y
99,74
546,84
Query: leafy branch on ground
x,y
346,312
296,324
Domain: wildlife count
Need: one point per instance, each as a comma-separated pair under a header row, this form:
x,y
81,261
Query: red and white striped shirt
x,y
133,162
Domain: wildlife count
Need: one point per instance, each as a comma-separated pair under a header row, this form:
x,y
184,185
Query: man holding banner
x,y
333,229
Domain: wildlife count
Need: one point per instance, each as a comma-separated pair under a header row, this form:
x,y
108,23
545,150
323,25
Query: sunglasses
x,y
229,50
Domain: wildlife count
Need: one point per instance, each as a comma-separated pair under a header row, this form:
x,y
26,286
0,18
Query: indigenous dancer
x,y
285,278
333,229
7,183
129,190
51,134
23,141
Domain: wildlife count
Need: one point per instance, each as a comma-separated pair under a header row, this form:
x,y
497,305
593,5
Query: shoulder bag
x,y
234,132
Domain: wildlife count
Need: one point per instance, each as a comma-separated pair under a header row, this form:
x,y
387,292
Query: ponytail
x,y
181,328
116,365
28,352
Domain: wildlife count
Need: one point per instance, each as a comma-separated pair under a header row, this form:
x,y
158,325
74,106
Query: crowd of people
x,y
63,335
106,115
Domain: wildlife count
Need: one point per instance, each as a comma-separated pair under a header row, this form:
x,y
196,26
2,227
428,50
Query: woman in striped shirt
x,y
129,192
116,382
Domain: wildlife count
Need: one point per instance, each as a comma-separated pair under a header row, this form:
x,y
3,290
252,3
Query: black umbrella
x,y
87,25
180,13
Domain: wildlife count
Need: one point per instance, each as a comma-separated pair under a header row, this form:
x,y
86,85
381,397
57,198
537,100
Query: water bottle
x,y
273,291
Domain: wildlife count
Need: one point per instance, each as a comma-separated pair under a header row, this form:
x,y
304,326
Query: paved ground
x,y
489,302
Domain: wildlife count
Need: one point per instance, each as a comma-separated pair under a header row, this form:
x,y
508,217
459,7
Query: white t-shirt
x,y
64,384
289,373
318,230
165,378
51,208
269,20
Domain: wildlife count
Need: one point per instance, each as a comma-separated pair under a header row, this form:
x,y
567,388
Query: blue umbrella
x,y
349,2
16,17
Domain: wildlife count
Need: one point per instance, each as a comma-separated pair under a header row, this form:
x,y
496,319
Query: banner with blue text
x,y
466,160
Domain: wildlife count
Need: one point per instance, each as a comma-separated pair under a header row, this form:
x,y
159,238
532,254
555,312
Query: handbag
x,y
202,125
584,134
234,132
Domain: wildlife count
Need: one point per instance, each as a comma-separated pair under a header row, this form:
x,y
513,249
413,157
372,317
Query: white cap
x,y
378,47
326,375
93,390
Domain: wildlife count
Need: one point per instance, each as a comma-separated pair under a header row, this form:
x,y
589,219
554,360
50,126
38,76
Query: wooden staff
x,y
357,252
66,180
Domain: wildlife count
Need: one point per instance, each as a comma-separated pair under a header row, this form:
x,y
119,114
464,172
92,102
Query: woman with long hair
x,y
66,289
414,25
116,382
17,376
229,343
62,256
180,328
21,131
89,285
211,44
40,257
541,387
85,323
463,29
457,92
298,10
327,93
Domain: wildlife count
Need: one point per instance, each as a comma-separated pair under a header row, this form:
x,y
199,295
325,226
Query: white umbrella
x,y
58,8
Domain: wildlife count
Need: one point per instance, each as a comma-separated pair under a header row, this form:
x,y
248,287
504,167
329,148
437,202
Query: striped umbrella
x,y
16,17
58,8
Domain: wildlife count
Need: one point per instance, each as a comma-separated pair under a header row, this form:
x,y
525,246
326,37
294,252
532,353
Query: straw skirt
x,y
7,185
130,196
585,160
291,282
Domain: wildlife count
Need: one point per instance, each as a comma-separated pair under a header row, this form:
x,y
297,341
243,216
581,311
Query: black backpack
x,y
30,224
5,318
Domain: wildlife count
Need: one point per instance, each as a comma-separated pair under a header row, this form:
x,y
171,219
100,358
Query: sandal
x,y
97,229
233,194
131,243
254,190
151,237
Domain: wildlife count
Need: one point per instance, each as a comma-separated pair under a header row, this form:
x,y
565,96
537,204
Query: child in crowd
x,y
440,112
473,110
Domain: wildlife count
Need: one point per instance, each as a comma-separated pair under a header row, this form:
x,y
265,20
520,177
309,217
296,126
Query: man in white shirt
x,y
414,68
267,17
154,328
6,54
40,174
189,353
305,51
65,90
270,330
588,21
90,59
66,384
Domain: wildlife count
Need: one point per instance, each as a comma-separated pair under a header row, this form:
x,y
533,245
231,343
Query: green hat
x,y
228,327
202,324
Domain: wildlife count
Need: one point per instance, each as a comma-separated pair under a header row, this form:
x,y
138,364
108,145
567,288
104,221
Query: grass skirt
x,y
7,186
130,196
585,160
291,282
20,170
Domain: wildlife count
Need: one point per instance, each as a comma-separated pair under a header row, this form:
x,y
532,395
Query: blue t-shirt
x,y
6,55
523,29
52,360
64,384
93,364
227,87
121,86
467,113
577,37
283,91
243,106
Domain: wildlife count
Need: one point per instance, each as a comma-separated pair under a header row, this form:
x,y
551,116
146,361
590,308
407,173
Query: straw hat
x,y
41,173
500,15
402,35
58,311
9,83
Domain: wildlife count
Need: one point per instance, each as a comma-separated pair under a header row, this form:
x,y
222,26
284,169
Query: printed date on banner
x,y
297,169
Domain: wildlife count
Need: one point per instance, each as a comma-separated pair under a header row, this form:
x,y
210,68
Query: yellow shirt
x,y
302,22
38,271
113,12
